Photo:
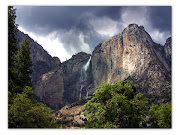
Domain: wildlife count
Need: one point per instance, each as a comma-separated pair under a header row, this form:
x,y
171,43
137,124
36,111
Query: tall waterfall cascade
x,y
87,64
83,77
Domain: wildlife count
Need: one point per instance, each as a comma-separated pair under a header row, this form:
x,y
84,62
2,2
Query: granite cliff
x,y
130,55
55,83
42,61
133,55
66,84
44,68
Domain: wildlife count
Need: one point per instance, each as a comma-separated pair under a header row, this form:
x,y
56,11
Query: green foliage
x,y
160,116
17,111
115,105
10,97
23,66
25,112
29,92
12,48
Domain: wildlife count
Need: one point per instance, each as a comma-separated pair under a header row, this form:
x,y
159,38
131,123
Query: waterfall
x,y
87,95
83,76
87,64
80,92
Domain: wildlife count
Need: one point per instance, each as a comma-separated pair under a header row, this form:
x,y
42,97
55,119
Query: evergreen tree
x,y
23,66
12,49
23,110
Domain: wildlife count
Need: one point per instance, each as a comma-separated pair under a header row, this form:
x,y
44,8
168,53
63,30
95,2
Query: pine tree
x,y
12,49
23,66
23,109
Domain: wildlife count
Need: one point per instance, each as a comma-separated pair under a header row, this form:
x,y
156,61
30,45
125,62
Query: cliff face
x,y
168,51
42,61
66,84
77,77
130,55
55,83
133,55
50,88
47,73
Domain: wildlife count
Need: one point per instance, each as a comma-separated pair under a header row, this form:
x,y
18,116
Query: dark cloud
x,y
71,38
69,22
74,23
49,18
53,18
112,12
160,17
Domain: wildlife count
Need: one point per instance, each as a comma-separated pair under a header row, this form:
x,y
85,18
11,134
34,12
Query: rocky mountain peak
x,y
133,25
141,27
131,54
135,35
81,55
168,42
133,28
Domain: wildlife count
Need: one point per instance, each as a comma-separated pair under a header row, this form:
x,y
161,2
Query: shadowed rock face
x,y
47,73
129,55
55,83
133,55
77,77
168,51
50,88
42,61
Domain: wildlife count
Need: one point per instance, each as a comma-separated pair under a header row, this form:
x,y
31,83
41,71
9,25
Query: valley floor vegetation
x,y
117,105
113,105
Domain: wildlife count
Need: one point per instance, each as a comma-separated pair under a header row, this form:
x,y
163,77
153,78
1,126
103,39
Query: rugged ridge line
x,y
41,59
130,55
133,55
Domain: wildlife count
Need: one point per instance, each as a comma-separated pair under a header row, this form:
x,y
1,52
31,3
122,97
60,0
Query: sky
x,y
67,30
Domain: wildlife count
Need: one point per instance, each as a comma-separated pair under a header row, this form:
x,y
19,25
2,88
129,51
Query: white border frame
x,y
175,63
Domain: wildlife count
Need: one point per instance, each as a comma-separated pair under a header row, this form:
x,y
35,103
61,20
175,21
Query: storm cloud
x,y
83,28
